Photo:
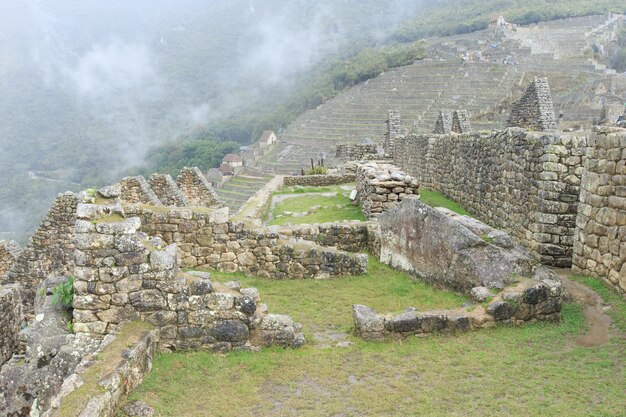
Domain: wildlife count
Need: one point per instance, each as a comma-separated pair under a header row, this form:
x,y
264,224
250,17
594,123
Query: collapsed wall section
x,y
196,188
526,183
600,239
50,250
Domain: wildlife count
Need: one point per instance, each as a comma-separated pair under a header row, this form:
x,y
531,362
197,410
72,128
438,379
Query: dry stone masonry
x,y
9,252
380,187
443,126
318,180
526,183
50,251
535,110
196,188
137,190
460,122
357,151
394,130
11,320
600,240
166,190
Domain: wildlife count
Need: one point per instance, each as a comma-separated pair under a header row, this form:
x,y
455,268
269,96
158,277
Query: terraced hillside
x,y
481,72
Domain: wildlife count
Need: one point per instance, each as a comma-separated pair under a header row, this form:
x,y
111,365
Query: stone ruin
x,y
380,187
9,252
456,121
394,130
534,110
357,151
464,254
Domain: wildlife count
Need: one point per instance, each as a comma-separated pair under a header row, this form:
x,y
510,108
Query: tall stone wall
x,y
443,125
50,250
11,320
460,122
9,252
394,130
166,190
534,110
600,239
137,190
526,183
196,188
357,151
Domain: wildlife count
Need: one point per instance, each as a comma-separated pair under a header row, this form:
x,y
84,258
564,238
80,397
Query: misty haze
x,y
338,208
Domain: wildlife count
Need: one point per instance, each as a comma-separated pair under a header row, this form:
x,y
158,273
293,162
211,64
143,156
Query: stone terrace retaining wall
x,y
380,187
208,238
11,320
600,240
9,252
318,180
196,188
50,250
526,183
357,151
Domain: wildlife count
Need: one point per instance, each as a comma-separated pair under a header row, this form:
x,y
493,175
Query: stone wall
x,y
50,251
350,236
380,187
137,190
523,182
318,180
122,274
197,189
357,151
534,110
460,122
600,239
443,125
208,238
9,252
394,130
166,190
11,320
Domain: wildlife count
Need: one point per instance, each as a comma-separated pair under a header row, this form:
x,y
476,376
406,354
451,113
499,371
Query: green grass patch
x,y
435,199
334,208
326,305
299,189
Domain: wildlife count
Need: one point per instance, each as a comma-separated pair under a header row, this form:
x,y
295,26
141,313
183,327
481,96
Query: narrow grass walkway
x,y
534,370
435,199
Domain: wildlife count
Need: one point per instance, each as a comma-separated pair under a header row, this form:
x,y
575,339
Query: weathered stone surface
x,y
480,294
138,409
534,111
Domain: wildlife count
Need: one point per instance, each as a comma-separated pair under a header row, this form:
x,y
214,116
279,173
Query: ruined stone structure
x,y
526,183
461,253
9,251
394,130
208,238
460,122
443,126
124,275
167,191
600,239
380,187
11,320
535,110
137,190
197,189
348,236
318,180
49,251
357,151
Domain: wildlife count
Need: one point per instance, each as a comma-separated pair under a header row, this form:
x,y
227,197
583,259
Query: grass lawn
x,y
535,370
435,199
331,208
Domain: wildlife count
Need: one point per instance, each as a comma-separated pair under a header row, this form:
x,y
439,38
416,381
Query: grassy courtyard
x,y
535,370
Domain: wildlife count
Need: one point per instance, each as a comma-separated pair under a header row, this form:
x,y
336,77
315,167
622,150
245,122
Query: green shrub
x,y
317,171
64,293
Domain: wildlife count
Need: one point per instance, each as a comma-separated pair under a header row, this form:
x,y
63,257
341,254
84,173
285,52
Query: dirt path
x,y
593,310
